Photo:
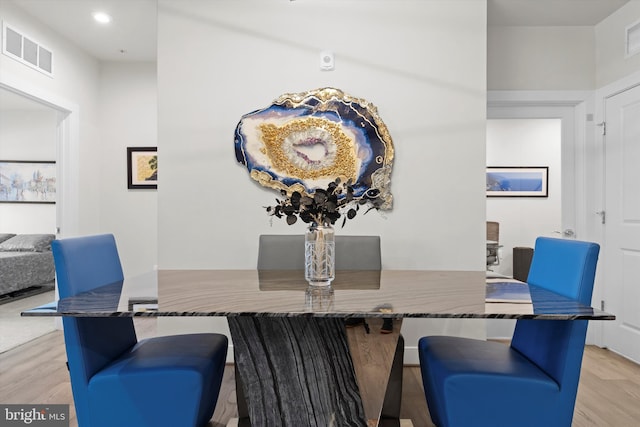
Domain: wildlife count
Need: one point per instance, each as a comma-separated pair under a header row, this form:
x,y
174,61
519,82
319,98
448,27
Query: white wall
x,y
541,58
423,64
28,135
611,63
218,62
525,142
128,118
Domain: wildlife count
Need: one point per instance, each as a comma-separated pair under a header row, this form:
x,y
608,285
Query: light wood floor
x,y
609,393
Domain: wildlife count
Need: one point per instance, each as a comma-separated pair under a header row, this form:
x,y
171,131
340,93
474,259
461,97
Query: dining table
x,y
298,363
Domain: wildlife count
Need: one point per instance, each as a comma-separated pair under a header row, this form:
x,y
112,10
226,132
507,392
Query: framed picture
x,y
142,167
518,181
27,181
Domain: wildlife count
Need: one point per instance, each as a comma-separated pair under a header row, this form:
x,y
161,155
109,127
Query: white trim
x,y
613,89
524,98
411,355
565,105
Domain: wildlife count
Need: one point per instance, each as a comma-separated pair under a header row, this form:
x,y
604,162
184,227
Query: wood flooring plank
x,y
608,394
609,390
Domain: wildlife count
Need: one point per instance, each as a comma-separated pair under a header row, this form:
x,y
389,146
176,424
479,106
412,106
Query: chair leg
x,y
393,397
357,321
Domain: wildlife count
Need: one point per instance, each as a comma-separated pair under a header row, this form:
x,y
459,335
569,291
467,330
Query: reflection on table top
x,y
387,293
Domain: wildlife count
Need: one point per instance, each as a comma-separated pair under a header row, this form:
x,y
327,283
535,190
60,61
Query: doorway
x,y
28,132
66,152
66,149
558,120
571,114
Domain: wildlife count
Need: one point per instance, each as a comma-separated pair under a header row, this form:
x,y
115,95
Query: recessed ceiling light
x,y
102,17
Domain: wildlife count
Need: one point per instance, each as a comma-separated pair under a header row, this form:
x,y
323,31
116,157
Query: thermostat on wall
x,y
327,60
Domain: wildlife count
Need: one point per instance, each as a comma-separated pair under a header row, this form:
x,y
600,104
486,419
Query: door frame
x,y
572,108
67,154
581,158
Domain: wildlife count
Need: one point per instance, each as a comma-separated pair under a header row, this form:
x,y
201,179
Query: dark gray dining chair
x,y
286,252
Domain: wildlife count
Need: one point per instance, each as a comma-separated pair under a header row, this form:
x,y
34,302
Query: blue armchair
x,y
117,380
534,381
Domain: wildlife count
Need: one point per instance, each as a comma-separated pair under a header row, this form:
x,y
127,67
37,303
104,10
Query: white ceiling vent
x,y
22,48
632,39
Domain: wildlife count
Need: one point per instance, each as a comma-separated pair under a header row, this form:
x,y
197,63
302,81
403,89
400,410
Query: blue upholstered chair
x,y
119,381
534,381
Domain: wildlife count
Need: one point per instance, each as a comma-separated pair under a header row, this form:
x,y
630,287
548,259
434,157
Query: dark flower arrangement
x,y
324,207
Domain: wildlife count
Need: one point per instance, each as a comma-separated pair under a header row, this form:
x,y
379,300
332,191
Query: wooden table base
x,y
296,372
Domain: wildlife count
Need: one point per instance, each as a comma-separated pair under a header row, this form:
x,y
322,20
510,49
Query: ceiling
x,y
131,36
550,12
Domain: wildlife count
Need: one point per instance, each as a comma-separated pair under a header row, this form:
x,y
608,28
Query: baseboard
x,y
411,357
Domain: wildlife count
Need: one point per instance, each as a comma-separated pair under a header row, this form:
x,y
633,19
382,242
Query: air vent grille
x,y
26,50
632,38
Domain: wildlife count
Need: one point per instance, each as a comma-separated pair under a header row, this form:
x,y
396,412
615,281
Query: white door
x,y
622,227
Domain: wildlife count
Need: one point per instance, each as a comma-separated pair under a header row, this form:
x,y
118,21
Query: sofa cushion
x,y
28,243
5,236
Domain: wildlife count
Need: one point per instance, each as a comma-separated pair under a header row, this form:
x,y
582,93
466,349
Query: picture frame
x,y
27,181
142,168
518,181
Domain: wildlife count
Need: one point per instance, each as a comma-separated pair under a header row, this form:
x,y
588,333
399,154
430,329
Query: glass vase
x,y
319,298
319,255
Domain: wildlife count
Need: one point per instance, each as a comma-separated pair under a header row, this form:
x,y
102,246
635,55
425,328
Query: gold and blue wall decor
x,y
304,141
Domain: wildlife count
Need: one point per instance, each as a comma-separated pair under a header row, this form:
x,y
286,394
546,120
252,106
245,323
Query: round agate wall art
x,y
304,141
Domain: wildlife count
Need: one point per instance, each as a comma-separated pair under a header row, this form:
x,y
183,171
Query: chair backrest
x,y
83,264
493,231
566,267
286,252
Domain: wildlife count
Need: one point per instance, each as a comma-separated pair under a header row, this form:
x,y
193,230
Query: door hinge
x,y
601,305
603,216
603,125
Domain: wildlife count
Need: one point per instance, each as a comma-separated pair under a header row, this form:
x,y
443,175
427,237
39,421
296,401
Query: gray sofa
x,y
26,261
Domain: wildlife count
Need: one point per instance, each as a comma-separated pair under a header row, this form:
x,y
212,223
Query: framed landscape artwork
x,y
23,181
518,181
142,167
